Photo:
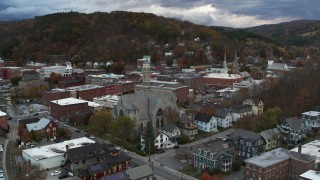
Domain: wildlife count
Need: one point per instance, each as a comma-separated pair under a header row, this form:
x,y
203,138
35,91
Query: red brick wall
x,y
4,122
58,112
97,92
182,94
220,81
48,96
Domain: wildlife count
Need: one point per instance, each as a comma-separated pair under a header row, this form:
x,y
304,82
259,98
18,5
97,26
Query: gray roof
x,y
140,172
270,133
248,135
221,113
241,108
168,127
277,66
295,123
202,117
42,123
277,155
162,84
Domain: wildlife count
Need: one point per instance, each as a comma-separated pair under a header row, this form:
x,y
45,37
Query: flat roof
x,y
311,174
107,97
57,149
83,87
3,113
312,113
222,76
68,101
311,148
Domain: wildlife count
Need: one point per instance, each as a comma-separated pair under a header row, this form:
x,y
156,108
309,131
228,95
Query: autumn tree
x,y
122,128
28,172
149,139
171,114
63,133
100,122
54,79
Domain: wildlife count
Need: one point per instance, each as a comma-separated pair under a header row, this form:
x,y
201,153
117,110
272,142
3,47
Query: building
x,y
143,172
294,129
179,90
95,160
220,81
172,131
312,148
235,65
52,156
272,138
3,121
279,164
223,117
187,127
193,81
257,105
163,141
10,72
239,111
206,122
45,72
107,102
31,80
310,175
215,154
247,144
54,94
311,120
146,69
143,107
44,126
70,110
90,91
276,69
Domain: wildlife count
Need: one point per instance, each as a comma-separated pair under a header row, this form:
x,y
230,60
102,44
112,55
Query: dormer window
x,y
199,151
205,153
211,155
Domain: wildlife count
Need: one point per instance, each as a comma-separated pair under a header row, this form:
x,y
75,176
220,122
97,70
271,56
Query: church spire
x,y
225,60
235,68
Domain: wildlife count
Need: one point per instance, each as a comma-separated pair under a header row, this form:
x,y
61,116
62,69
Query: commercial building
x,y
54,94
107,102
52,156
220,81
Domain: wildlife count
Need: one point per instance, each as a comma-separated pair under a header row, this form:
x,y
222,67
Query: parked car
x,y
124,151
57,140
176,147
92,137
55,173
78,131
118,148
159,151
62,176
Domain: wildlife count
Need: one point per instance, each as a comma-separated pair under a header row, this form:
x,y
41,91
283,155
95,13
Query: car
x,y
57,140
87,135
92,137
62,176
159,151
124,151
65,125
55,173
78,131
176,147
118,148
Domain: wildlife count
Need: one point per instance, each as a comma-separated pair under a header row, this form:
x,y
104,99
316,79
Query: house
x,y
95,160
239,111
172,131
3,121
294,129
216,154
272,138
278,164
257,105
44,126
163,141
247,144
143,172
311,120
223,117
205,122
187,127
143,107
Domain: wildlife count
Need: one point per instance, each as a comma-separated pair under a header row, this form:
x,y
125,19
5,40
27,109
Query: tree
x,y
28,172
99,123
183,139
63,133
54,79
122,128
15,80
171,114
149,137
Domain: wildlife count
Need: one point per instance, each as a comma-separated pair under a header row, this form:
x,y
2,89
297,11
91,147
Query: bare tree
x,y
171,114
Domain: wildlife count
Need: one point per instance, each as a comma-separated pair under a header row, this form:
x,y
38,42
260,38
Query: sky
x,y
228,13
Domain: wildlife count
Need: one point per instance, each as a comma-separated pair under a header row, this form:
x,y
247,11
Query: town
x,y
154,121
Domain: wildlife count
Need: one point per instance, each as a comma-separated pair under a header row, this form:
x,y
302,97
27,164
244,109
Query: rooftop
x,y
83,87
68,101
222,76
42,123
311,174
277,155
3,113
58,149
311,148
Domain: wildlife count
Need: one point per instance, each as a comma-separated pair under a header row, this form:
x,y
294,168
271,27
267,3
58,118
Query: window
x,y
205,153
199,151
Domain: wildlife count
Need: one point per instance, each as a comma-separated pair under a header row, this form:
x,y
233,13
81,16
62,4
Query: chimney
x,y
299,148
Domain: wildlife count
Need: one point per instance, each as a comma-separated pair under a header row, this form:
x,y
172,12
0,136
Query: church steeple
x,y
225,60
235,68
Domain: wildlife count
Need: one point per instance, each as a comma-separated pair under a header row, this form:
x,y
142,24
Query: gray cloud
x,y
233,13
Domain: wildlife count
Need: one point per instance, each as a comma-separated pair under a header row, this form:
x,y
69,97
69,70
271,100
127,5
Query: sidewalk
x,y
4,159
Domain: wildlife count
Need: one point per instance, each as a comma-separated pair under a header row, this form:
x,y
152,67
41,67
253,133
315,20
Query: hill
x,y
297,33
122,36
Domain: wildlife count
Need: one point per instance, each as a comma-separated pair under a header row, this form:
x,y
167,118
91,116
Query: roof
x,y
295,123
277,155
311,148
28,121
41,124
252,101
140,172
221,113
161,84
69,101
3,113
116,176
168,127
248,135
58,149
222,76
277,66
270,133
311,174
83,152
241,108
202,117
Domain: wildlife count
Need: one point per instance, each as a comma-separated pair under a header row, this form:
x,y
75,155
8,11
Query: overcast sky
x,y
230,13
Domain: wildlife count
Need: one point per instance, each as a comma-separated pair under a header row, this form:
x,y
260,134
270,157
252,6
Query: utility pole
x,y
149,149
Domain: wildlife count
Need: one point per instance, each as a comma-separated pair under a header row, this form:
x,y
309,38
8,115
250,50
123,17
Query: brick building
x,y
179,90
70,81
54,94
220,81
70,110
278,164
3,121
44,126
90,91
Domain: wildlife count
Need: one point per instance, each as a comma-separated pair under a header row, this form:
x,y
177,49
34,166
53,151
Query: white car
x,y
118,148
92,137
124,151
55,173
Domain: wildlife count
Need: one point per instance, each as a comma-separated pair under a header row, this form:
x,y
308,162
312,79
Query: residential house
x,y
187,127
311,120
143,172
279,164
163,141
239,111
95,160
172,131
276,69
294,129
205,122
44,126
257,105
223,117
215,154
247,144
23,125
272,138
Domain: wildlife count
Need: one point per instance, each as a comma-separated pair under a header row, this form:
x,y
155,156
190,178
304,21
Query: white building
x,y
45,72
108,101
223,117
311,119
311,148
52,156
163,141
206,122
